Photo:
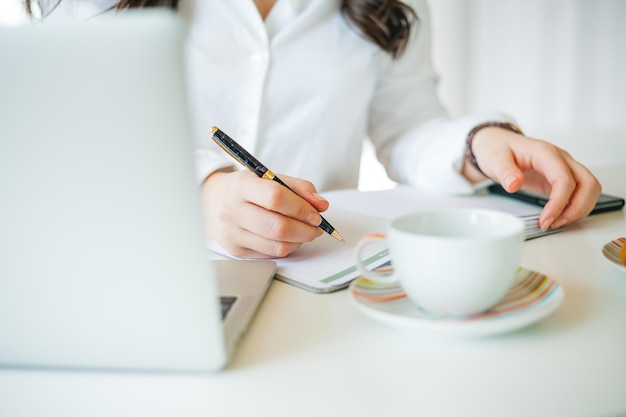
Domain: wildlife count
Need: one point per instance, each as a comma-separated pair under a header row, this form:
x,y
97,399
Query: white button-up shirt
x,y
302,89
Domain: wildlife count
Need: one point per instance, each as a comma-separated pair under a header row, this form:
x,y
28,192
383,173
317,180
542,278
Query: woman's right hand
x,y
253,217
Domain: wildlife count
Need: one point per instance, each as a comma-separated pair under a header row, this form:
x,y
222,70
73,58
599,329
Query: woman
x,y
300,83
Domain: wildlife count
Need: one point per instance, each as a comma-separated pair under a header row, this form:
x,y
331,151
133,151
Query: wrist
x,y
481,130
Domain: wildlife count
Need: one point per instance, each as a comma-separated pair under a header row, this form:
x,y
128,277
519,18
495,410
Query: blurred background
x,y
557,67
11,12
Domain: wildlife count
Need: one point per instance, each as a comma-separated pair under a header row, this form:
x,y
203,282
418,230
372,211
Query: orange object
x,y
622,254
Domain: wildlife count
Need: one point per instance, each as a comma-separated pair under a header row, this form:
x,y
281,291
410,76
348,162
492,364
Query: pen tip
x,y
214,129
337,235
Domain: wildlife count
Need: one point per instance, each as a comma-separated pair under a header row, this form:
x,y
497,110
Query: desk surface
x,y
313,355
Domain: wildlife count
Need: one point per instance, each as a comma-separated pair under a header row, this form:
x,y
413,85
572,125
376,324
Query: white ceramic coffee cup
x,y
456,262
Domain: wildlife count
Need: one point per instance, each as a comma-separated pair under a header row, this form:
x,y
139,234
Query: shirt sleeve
x,y
415,139
207,158
207,162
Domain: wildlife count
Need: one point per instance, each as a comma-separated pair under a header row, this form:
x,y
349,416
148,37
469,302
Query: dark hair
x,y
127,4
121,4
387,23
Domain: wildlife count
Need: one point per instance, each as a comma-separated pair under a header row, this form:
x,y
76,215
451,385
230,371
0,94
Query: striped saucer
x,y
532,296
611,252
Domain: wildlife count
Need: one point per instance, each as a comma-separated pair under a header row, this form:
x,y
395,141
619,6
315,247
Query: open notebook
x,y
327,265
102,256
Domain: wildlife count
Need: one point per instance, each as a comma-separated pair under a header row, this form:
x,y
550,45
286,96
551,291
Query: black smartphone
x,y
605,202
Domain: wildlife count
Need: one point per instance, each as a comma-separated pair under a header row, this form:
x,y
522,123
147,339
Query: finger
x,y
275,197
307,191
548,160
535,182
545,164
254,243
250,245
276,226
584,196
495,156
504,170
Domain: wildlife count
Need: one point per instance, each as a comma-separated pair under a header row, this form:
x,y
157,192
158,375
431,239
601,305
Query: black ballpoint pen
x,y
246,159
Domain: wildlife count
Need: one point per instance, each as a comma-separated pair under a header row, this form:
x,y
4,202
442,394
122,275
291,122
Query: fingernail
x,y
509,181
546,223
319,197
559,223
314,219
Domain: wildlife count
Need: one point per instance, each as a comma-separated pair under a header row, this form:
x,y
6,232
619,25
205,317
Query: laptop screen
x,y
102,257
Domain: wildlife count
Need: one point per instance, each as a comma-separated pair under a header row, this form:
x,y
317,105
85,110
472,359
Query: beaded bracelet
x,y
469,154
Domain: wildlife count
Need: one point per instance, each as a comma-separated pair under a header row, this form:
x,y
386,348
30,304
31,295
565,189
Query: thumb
x,y
506,172
495,152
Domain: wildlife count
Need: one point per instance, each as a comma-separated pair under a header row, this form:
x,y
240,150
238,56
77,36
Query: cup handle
x,y
380,277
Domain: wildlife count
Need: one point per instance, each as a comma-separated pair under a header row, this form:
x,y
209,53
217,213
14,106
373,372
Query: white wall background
x,y
11,11
557,66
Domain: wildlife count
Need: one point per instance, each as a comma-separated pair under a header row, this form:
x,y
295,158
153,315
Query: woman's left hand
x,y
516,161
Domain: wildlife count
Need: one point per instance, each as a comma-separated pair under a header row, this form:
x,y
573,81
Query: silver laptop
x,y
102,256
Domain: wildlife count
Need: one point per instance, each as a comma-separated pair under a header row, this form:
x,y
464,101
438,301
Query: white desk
x,y
315,355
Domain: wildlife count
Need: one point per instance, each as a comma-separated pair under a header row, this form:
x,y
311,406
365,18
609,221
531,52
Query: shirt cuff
x,y
208,162
437,166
